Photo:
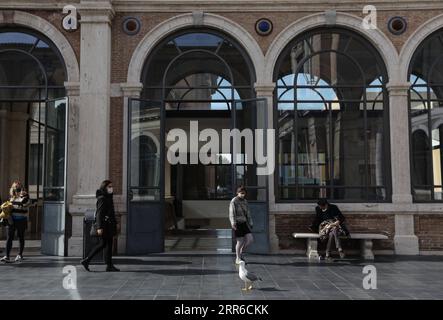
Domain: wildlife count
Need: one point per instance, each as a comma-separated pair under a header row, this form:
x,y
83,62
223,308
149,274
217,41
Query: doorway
x,y
184,207
33,151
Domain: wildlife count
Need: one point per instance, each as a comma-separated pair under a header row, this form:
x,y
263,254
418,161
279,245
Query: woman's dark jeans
x,y
20,226
106,244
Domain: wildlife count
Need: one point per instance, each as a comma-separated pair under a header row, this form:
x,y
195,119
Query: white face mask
x,y
110,190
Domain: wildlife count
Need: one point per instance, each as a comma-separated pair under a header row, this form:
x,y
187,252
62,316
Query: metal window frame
x,y
387,183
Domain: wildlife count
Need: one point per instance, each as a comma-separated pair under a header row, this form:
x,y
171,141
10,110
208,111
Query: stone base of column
x,y
406,245
75,247
273,239
80,204
405,241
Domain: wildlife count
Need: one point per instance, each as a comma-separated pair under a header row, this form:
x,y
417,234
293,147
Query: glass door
x,y
54,194
252,114
146,169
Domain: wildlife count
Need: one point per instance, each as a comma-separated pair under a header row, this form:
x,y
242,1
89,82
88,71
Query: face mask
x,y
18,189
110,190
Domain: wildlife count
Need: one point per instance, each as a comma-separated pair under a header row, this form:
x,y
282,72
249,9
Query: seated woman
x,y
329,223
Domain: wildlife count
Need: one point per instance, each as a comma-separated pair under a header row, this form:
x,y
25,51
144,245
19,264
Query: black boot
x,y
85,263
112,268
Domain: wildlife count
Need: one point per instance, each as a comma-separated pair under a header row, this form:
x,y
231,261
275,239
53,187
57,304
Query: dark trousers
x,y
20,226
105,244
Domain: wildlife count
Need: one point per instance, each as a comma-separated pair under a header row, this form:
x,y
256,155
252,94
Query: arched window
x,y
32,75
426,118
31,68
330,119
198,70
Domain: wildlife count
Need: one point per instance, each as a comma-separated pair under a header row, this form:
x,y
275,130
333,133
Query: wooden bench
x,y
364,238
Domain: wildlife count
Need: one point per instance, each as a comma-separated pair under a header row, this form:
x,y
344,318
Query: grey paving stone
x,y
171,276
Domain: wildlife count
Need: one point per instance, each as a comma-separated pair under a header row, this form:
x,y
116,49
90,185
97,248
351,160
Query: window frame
x,y
386,163
427,104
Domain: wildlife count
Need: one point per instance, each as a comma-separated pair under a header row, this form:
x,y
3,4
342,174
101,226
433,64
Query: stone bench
x,y
364,238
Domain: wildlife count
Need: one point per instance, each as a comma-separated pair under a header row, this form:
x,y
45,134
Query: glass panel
x,y
421,169
35,161
256,194
437,148
422,193
145,149
313,153
139,195
312,193
377,194
55,144
206,182
352,194
19,69
237,63
252,150
286,147
374,136
198,40
349,148
197,63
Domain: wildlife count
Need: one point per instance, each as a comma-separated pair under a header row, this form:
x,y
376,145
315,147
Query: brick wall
x,y
123,45
429,230
116,144
286,224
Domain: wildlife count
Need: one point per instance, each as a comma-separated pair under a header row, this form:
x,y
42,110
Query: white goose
x,y
247,277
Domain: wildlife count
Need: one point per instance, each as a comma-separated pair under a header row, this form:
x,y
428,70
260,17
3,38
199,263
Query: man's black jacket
x,y
333,212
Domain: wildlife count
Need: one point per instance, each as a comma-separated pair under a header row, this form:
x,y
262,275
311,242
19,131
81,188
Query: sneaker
x,y
342,254
18,258
237,261
5,259
328,257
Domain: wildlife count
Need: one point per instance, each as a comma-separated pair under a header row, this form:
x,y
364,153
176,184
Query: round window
x,y
131,25
263,27
397,25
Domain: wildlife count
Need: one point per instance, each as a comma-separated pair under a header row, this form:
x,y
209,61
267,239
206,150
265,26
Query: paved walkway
x,y
185,276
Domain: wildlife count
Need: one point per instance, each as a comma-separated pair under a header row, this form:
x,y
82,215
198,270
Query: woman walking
x,y
20,212
106,226
241,223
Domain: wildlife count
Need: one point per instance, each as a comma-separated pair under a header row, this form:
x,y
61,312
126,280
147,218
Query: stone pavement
x,y
205,276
